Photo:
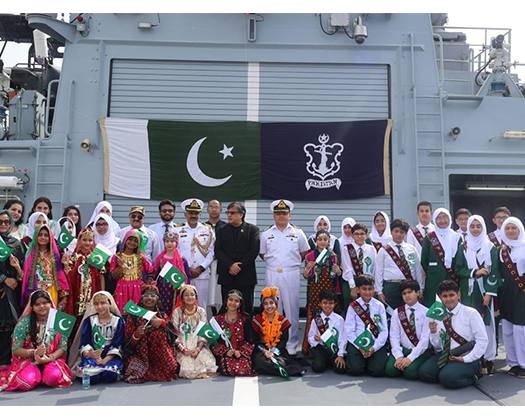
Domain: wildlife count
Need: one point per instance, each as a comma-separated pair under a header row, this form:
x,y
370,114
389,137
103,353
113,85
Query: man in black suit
x,y
236,248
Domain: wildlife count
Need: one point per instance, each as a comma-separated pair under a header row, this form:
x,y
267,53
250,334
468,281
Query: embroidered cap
x,y
137,208
282,205
192,205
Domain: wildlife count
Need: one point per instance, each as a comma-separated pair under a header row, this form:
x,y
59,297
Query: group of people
x,y
370,291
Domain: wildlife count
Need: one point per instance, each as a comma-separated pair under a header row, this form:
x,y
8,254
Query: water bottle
x,y
86,380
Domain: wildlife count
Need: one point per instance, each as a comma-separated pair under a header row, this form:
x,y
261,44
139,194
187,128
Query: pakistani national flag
x,y
143,241
365,340
154,159
330,338
172,275
136,310
64,238
99,256
60,322
206,331
283,372
437,311
321,259
5,251
99,341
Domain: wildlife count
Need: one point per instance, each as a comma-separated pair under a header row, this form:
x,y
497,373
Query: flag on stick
x,y
136,310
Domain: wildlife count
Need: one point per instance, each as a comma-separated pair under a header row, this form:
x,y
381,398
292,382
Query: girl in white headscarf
x,y
380,234
105,207
438,267
35,220
483,283
105,235
323,223
512,295
346,231
97,347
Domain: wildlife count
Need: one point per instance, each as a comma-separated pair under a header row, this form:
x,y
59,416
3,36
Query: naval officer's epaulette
x,y
179,224
273,225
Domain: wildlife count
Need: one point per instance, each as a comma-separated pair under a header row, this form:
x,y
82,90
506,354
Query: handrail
x,y
49,107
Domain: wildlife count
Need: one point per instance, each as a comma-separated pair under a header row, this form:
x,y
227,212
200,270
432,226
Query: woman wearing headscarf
x,y
97,348
104,207
43,269
380,234
512,294
39,354
323,223
441,256
345,239
105,236
483,283
234,354
10,276
149,354
33,223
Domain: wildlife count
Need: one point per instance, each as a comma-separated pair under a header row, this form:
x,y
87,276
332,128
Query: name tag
x,y
432,264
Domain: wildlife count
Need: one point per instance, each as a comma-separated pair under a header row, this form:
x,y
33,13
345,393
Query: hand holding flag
x,y
172,275
60,322
99,341
99,256
365,341
65,237
437,311
5,251
330,339
217,327
136,310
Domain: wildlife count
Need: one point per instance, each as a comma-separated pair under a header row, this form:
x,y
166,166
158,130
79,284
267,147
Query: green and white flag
x,y
283,372
206,331
224,334
60,322
330,338
437,311
64,238
321,259
211,160
136,310
365,340
172,275
99,341
99,256
143,241
5,251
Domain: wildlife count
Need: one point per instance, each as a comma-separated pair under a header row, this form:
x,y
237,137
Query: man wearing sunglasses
x,y
166,224
136,221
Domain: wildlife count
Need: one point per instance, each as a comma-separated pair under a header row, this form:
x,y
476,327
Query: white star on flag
x,y
226,152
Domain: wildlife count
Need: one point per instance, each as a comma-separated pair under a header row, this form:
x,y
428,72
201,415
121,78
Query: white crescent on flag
x,y
209,334
492,282
3,253
134,309
196,173
333,347
64,324
439,311
61,239
98,259
363,340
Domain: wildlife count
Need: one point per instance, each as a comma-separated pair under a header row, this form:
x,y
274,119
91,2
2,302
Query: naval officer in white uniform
x,y
196,243
283,247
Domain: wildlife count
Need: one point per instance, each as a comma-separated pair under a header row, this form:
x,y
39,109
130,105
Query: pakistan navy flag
x,y
154,159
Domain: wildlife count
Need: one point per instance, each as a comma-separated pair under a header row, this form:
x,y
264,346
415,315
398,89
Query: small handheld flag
x,y
330,339
5,251
437,311
64,238
217,327
365,340
321,259
204,330
172,275
60,322
283,372
143,241
99,341
136,310
99,256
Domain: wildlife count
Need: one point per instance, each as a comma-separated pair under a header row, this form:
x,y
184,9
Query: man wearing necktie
x,y
416,234
461,218
460,340
165,225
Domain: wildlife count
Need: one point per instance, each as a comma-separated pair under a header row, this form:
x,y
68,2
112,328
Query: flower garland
x,y
271,330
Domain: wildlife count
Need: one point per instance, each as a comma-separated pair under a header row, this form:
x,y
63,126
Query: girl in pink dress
x,y
39,355
128,268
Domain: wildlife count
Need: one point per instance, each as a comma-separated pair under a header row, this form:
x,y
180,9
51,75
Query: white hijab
x,y
478,247
517,247
32,220
316,223
386,237
344,239
112,223
109,240
447,237
70,249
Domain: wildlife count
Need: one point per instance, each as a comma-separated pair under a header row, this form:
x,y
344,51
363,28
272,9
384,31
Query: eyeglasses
x,y
4,222
136,217
167,210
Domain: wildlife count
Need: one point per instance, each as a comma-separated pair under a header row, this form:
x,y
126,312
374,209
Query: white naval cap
x,y
192,204
281,205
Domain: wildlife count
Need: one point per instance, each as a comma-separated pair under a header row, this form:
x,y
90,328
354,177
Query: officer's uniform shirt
x,y
399,338
385,268
411,239
334,321
467,322
152,246
354,326
160,230
282,249
192,254
369,255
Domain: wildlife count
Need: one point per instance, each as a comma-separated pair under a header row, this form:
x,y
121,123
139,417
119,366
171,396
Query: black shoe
x,y
489,365
520,372
513,371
